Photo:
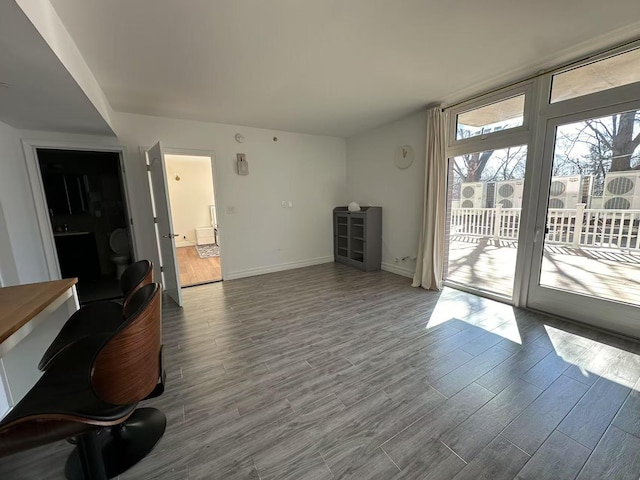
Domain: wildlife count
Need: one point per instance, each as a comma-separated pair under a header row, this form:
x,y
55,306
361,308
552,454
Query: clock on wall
x,y
404,157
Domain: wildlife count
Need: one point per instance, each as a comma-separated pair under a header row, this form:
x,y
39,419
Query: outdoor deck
x,y
603,272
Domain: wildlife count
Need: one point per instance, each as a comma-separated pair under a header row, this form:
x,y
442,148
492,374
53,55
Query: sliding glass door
x,y
544,193
586,252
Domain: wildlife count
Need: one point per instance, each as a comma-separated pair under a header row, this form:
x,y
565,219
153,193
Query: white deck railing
x,y
577,227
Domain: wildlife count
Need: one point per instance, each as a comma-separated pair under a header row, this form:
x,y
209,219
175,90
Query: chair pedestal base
x,y
124,446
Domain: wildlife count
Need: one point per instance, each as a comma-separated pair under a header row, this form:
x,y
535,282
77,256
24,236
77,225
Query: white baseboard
x,y
184,243
251,272
390,267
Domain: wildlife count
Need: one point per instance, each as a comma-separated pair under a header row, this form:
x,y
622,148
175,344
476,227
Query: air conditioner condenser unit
x,y
509,193
621,191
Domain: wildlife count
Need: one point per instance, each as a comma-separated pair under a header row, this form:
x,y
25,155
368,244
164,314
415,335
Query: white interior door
x,y
166,237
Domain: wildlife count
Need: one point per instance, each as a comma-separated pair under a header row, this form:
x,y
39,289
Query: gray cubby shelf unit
x,y
357,237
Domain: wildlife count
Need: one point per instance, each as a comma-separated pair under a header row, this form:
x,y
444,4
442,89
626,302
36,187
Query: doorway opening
x,y
88,216
193,213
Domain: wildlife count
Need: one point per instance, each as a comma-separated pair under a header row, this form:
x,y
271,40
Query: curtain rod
x,y
544,72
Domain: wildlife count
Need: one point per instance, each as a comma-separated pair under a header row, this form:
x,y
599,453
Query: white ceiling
x,y
335,67
41,95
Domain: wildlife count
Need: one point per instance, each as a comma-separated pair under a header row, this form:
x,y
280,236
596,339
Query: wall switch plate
x,y
290,204
283,204
242,165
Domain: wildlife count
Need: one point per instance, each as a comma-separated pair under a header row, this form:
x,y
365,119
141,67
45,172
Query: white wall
x,y
46,20
191,196
311,171
373,179
24,245
8,269
260,236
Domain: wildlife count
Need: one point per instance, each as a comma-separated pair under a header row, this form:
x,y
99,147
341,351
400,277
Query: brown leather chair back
x,y
136,275
127,367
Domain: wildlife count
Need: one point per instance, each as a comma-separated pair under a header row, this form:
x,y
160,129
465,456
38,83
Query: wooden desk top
x,y
21,303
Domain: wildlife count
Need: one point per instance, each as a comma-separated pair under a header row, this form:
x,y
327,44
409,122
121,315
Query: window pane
x,y
497,116
484,202
611,72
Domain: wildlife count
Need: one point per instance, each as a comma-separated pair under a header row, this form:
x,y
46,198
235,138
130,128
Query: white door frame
x,y
216,192
40,202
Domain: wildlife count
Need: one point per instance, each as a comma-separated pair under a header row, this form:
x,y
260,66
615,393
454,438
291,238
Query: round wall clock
x,y
404,157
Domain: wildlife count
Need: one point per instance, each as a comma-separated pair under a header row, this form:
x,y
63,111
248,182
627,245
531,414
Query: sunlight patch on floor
x,y
596,358
509,328
492,316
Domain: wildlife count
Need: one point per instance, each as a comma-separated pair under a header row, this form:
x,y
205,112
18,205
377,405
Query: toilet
x,y
119,243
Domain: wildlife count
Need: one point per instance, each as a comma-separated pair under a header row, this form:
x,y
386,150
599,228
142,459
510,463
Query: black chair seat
x,y
101,317
93,319
62,403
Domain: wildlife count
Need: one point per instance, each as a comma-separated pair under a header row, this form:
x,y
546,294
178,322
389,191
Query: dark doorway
x,y
88,213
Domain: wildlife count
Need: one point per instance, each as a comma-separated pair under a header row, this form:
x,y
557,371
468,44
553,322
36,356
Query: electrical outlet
x,y
283,204
231,210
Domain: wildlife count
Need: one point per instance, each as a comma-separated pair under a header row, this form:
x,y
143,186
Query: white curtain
x,y
430,258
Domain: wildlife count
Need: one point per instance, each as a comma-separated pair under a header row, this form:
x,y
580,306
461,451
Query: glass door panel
x,y
586,259
342,235
484,208
591,245
356,237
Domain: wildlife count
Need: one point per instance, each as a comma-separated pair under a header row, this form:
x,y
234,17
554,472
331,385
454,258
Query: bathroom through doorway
x,y
88,217
193,213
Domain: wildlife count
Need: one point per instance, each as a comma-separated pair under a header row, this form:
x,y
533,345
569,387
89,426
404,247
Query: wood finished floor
x,y
328,372
195,270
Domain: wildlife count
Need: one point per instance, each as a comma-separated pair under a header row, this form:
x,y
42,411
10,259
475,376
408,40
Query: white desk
x,y
30,318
